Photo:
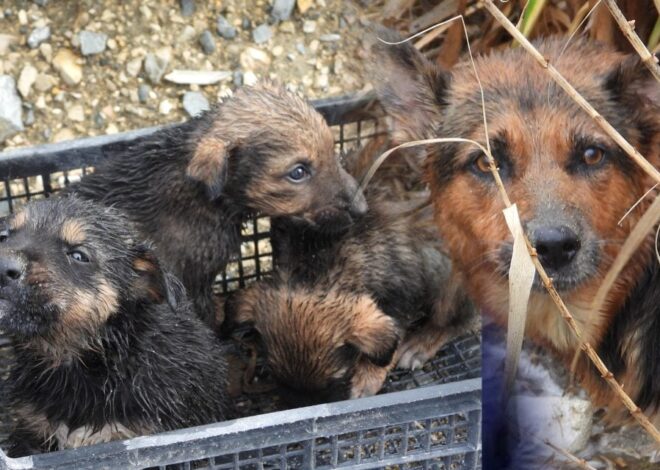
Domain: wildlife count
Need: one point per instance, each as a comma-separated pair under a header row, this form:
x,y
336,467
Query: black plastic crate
x,y
428,418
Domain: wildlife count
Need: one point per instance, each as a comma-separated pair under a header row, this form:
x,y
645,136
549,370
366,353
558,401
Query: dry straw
x,y
581,463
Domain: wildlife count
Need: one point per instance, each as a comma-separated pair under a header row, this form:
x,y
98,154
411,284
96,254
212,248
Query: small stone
x,y
29,117
22,17
155,66
225,29
26,80
134,66
6,40
187,7
207,42
321,81
314,45
92,43
165,107
253,58
99,120
195,103
330,37
46,51
246,23
304,5
65,63
188,34
76,113
37,36
112,44
287,27
300,47
262,34
44,82
111,129
249,78
11,119
143,92
309,26
197,77
278,51
41,3
282,9
238,78
64,134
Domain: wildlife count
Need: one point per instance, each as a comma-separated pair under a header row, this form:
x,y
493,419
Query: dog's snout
x,y
11,270
357,205
556,246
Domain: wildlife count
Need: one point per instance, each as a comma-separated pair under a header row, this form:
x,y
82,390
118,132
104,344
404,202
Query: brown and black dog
x,y
189,188
571,181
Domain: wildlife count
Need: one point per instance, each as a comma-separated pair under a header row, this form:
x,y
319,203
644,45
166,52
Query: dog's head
x,y
315,341
66,267
572,183
268,150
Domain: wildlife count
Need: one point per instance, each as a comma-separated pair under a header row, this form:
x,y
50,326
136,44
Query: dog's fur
x,y
106,343
563,171
321,345
189,188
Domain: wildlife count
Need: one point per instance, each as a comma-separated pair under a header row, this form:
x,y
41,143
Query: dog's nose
x,y
357,205
556,246
11,270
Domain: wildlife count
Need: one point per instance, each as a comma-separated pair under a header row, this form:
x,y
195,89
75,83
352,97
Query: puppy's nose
x,y
556,246
11,270
357,205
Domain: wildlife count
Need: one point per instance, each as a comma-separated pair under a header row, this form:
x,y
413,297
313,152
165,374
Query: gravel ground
x,y
85,67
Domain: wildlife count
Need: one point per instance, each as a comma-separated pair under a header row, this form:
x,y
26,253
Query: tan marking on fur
x,y
73,232
372,330
86,436
367,379
28,417
18,220
208,160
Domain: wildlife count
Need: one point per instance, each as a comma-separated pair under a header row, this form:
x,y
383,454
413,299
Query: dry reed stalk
x,y
635,411
576,460
572,92
657,5
627,29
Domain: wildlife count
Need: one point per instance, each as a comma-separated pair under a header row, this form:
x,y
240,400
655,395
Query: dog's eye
x,y
4,235
593,155
78,256
481,163
298,173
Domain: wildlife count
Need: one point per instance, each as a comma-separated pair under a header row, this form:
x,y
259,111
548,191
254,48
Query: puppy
x,y
321,346
106,343
570,180
190,188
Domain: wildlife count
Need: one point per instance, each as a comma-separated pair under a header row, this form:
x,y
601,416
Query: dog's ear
x,y
411,89
240,309
374,334
632,84
150,282
208,164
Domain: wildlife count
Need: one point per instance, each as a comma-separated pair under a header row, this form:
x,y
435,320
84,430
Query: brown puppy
x,y
189,188
571,182
320,345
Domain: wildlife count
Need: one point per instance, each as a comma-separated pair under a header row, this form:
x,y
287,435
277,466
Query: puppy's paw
x,y
419,348
367,380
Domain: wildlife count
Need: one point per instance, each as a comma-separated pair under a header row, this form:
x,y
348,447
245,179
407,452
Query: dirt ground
x,y
317,52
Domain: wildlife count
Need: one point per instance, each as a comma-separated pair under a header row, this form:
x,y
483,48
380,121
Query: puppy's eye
x,y
4,235
481,163
298,173
593,155
78,256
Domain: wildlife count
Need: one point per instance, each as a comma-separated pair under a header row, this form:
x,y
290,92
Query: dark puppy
x,y
190,188
396,260
107,346
570,180
320,345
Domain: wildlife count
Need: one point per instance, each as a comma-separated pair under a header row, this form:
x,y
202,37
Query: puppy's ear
x,y
374,334
150,283
411,89
240,309
208,164
632,84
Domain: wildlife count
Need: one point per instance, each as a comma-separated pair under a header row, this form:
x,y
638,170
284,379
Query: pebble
x,y
207,42
22,17
99,120
155,65
304,5
143,92
330,37
11,120
253,58
29,117
195,103
321,81
92,43
44,82
134,66
262,34
309,26
238,78
41,3
287,27
278,51
300,47
65,63
197,77
282,9
165,107
187,7
37,36
188,34
225,29
64,134
76,113
249,78
26,80
246,23
6,40
46,51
